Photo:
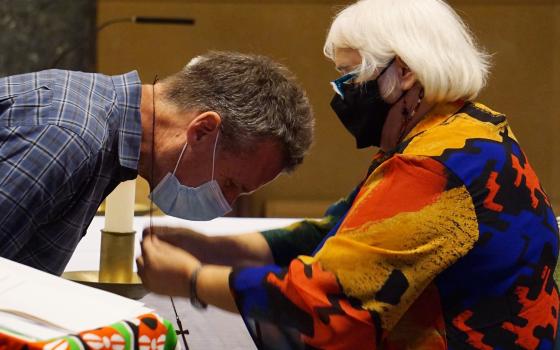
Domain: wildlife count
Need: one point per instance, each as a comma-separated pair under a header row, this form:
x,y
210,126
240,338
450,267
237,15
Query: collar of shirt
x,y
128,89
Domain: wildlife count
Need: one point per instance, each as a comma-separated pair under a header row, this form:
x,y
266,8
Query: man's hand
x,y
164,268
176,236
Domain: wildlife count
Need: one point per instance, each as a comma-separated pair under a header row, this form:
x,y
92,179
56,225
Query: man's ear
x,y
203,127
406,76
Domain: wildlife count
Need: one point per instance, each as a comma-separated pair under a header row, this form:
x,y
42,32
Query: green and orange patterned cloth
x,y
146,332
450,242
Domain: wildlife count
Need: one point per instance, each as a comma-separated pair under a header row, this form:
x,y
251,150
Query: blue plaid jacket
x,y
66,140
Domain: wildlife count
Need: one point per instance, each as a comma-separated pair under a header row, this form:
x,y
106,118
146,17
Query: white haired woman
x,y
448,243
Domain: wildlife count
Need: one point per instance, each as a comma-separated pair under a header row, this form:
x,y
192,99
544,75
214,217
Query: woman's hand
x,y
164,268
249,249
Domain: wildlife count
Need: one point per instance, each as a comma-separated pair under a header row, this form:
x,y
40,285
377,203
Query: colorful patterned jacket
x,y
449,243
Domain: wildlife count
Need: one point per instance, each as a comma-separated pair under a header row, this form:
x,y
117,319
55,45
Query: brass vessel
x,y
115,267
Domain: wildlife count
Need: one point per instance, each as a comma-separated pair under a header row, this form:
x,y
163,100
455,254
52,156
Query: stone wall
x,y
37,32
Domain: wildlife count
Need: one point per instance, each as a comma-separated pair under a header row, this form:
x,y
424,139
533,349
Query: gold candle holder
x,y
115,267
117,248
117,257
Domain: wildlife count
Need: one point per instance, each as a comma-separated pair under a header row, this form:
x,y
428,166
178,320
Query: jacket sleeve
x,y
302,238
410,221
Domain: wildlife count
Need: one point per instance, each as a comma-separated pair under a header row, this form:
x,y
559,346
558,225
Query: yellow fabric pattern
x,y
420,244
452,133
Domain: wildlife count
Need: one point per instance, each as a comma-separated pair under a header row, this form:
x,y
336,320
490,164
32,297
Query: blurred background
x,y
522,35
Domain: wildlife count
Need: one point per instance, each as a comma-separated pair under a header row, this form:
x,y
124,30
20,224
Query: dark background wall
x,y
35,32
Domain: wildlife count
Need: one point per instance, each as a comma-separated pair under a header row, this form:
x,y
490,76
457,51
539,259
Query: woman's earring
x,y
405,118
420,97
405,113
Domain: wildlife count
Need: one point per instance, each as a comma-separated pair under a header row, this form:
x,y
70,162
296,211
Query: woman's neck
x,y
404,116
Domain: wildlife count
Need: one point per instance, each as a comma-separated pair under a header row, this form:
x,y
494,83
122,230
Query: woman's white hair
x,y
426,34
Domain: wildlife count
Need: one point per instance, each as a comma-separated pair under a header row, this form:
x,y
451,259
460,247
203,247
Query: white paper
x,y
29,329
56,301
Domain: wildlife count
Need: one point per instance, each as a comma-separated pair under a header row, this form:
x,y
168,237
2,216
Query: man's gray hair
x,y
256,98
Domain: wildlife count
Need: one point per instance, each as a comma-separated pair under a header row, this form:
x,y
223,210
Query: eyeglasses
x,y
345,80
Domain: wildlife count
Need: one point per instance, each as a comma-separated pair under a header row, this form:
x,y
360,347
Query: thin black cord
x,y
181,331
113,21
180,325
153,149
81,44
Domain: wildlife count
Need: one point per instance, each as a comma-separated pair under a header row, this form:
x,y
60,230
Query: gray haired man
x,y
225,125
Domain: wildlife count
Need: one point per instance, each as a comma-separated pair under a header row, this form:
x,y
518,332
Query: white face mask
x,y
202,203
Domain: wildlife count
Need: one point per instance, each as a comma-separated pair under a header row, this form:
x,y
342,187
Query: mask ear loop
x,y
180,157
364,86
214,153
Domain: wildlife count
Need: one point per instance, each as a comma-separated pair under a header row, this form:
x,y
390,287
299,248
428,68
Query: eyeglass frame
x,y
338,84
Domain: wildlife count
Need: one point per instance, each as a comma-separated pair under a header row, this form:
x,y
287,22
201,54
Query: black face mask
x,y
363,111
